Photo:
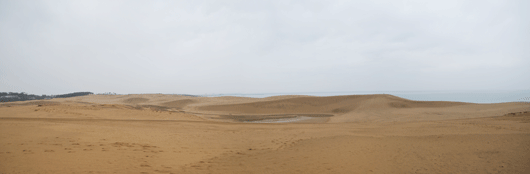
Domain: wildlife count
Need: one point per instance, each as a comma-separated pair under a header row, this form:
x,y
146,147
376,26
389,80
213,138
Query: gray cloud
x,y
49,47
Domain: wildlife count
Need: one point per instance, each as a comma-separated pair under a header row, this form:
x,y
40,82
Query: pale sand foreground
x,y
177,134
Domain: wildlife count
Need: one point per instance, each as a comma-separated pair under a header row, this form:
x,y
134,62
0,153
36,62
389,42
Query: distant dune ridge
x,y
156,133
333,105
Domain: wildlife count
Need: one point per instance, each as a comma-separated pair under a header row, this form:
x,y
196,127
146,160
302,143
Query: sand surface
x,y
155,133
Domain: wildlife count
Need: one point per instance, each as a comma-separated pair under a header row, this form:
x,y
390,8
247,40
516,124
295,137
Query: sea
x,y
498,96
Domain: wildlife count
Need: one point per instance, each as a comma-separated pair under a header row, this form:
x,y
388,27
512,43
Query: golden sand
x,y
341,134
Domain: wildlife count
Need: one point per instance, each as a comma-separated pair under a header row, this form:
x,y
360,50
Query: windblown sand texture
x,y
158,133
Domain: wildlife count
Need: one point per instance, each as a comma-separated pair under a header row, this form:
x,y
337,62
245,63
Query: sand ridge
x,y
334,104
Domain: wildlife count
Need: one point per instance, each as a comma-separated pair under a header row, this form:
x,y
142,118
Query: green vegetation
x,y
14,96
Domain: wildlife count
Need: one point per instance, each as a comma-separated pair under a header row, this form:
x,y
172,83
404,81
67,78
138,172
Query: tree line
x,y
14,96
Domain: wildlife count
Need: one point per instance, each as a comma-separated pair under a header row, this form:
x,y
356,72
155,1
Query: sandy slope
x,y
178,134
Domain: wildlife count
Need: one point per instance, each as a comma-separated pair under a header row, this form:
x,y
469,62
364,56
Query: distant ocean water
x,y
459,96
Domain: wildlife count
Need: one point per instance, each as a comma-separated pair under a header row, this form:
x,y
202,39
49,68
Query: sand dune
x,y
332,105
154,133
366,108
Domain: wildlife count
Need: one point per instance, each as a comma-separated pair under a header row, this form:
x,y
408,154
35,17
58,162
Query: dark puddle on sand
x,y
280,118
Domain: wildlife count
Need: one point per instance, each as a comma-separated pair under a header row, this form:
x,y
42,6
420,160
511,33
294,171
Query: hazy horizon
x,y
314,93
219,47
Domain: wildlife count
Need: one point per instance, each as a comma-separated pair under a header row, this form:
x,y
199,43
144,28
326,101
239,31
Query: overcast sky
x,y
198,47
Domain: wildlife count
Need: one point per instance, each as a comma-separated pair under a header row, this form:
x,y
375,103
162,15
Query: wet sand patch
x,y
277,118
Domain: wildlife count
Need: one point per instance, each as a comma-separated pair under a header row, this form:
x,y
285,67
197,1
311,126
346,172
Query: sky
x,y
240,46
